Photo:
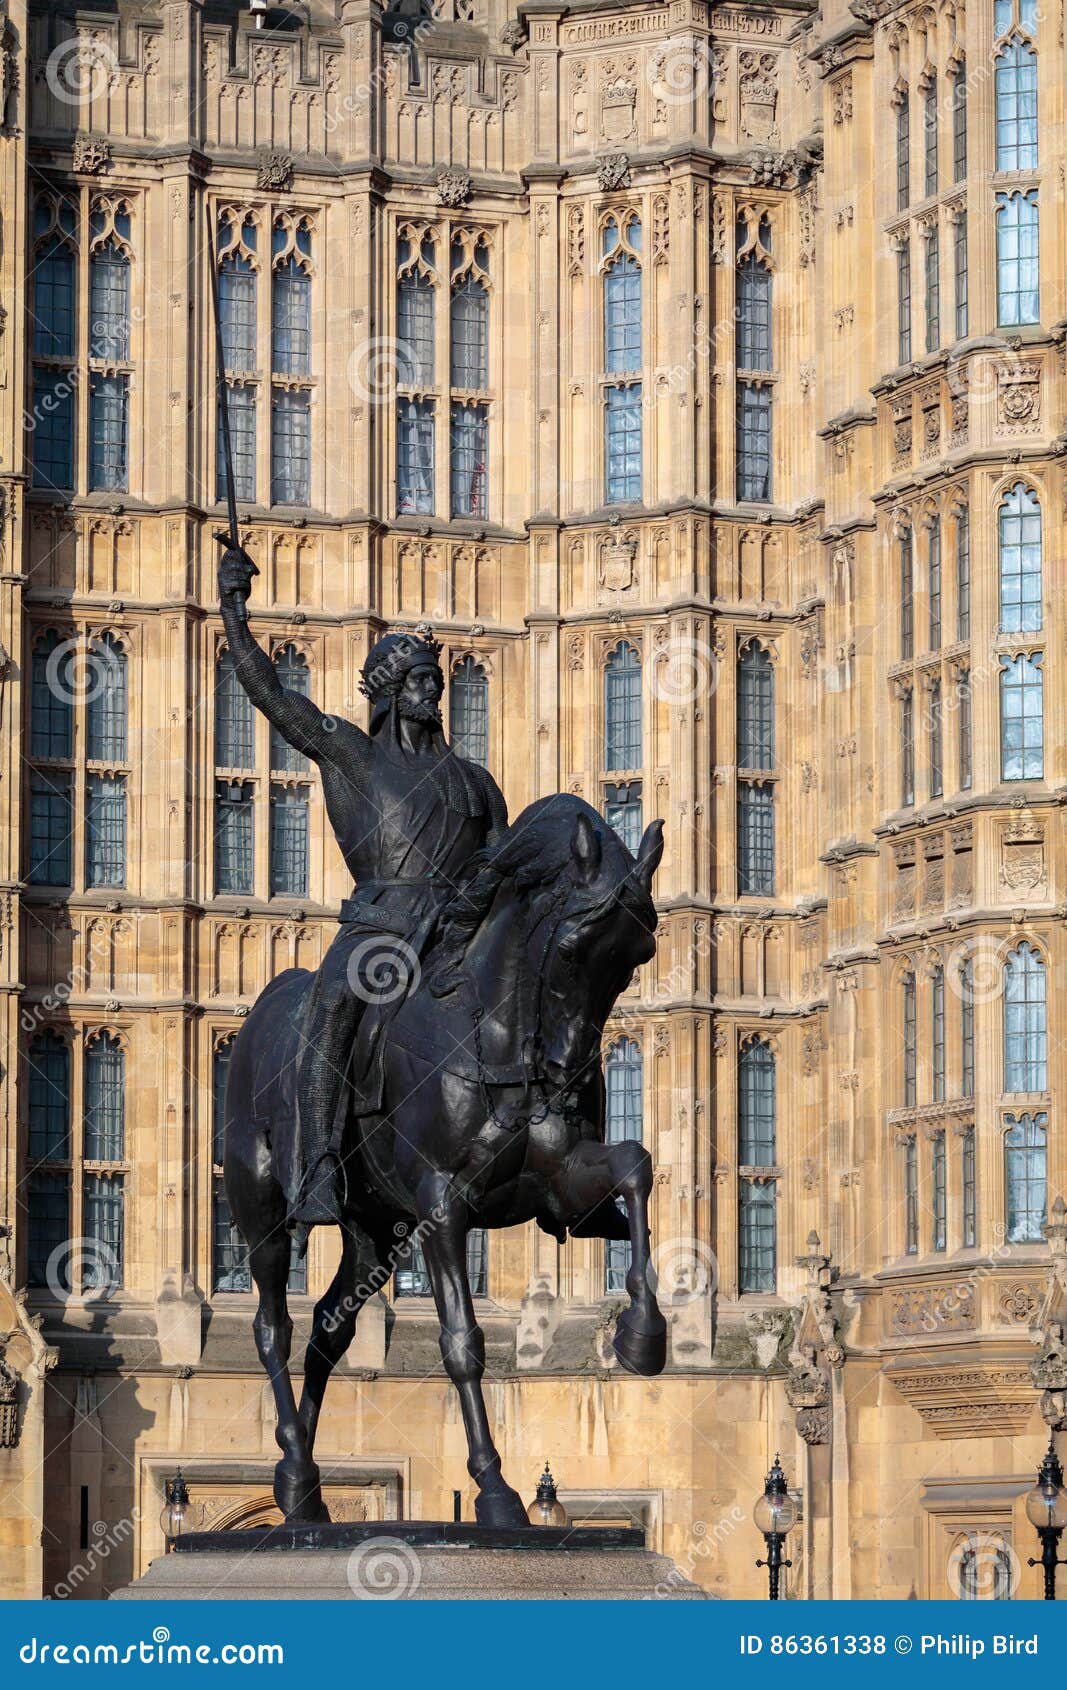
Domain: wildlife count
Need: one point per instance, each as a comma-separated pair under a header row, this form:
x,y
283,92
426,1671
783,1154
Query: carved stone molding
x,y
275,172
454,187
1048,1373
613,172
90,154
927,1310
968,1399
9,1401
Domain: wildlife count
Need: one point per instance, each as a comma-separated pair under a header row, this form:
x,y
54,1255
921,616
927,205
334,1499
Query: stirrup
x,y
322,1191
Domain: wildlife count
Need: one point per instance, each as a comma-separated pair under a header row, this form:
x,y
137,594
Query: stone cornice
x,y
845,421
964,806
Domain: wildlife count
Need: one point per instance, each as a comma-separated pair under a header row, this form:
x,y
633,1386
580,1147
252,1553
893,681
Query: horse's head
x,y
557,916
604,929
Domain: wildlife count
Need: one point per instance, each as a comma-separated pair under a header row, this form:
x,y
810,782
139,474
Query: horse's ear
x,y
649,853
585,849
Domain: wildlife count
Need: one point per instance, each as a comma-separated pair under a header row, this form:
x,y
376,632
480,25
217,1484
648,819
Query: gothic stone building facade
x,y
697,371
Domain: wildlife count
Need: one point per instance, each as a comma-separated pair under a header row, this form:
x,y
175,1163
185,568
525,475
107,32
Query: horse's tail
x,y
261,1082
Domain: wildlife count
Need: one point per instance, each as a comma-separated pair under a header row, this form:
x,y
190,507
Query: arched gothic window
x,y
468,711
622,709
1025,1021
1019,546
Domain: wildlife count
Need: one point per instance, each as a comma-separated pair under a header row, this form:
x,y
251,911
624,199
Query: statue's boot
x,y
319,1202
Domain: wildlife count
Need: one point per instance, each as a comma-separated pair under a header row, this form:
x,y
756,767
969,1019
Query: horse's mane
x,y
533,853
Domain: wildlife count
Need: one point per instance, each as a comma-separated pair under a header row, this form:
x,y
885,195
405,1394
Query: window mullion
x,y
442,500
77,1138
81,349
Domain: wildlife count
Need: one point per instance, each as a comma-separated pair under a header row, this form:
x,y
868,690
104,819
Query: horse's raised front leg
x,y
296,1477
443,1226
590,1176
359,1275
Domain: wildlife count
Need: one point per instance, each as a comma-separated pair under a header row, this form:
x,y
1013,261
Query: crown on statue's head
x,y
390,658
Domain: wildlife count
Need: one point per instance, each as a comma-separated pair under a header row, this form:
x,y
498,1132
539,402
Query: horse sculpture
x,y
490,1113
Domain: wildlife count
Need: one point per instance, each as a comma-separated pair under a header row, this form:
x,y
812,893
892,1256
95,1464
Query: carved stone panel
x,y
927,1310
1019,397
758,95
1023,868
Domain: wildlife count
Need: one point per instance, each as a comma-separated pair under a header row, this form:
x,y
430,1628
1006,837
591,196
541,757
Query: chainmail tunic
x,y
406,826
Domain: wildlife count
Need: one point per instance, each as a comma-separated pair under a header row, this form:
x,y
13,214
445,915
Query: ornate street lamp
x,y
775,1513
1046,1508
176,1509
546,1509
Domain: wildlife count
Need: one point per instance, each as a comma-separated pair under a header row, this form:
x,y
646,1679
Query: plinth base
x,y
414,1561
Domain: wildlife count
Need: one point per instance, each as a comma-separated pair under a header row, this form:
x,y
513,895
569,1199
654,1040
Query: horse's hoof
x,y
503,1507
299,1495
641,1349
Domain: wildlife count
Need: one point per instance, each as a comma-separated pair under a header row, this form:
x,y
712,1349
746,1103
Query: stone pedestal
x,y
413,1561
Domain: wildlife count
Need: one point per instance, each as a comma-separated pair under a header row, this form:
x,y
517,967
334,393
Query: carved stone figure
x,y
9,1402
807,1390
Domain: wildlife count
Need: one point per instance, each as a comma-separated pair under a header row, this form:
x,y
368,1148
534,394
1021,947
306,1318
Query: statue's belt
x,y
361,911
463,1063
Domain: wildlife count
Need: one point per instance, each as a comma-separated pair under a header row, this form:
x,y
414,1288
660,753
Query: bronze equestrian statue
x,y
442,1070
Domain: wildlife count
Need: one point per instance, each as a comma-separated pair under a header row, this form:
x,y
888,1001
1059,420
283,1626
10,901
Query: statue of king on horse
x,y
441,1071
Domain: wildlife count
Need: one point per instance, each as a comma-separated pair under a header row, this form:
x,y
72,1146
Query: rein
x,y
535,1077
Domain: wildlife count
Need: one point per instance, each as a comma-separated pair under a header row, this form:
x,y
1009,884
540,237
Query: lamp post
x,y
175,1515
775,1512
546,1509
1046,1509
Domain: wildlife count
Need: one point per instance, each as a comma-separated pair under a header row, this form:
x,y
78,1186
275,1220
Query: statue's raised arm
x,y
300,722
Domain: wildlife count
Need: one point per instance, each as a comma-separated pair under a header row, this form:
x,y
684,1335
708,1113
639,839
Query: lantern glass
x,y
546,1511
775,1512
1046,1505
180,1514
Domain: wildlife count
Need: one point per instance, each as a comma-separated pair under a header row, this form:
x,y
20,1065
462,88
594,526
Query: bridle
x,y
550,912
